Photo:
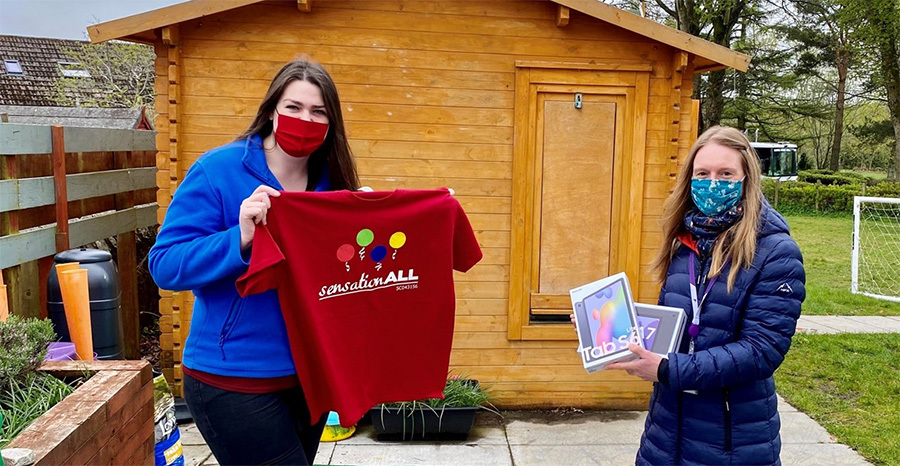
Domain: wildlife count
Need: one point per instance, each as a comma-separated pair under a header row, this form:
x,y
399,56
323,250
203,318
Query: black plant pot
x,y
422,423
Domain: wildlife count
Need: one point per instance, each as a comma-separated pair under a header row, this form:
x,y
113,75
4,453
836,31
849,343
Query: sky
x,y
67,19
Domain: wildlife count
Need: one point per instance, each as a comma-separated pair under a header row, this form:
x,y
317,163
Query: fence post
x,y
59,185
126,255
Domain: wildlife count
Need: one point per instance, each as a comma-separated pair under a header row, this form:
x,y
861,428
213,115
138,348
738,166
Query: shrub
x,y
25,393
23,345
884,189
804,197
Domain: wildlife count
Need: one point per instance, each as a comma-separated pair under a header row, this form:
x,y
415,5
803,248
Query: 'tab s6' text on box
x,y
606,321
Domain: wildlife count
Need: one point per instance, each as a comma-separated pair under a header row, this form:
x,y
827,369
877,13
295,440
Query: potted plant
x,y
447,418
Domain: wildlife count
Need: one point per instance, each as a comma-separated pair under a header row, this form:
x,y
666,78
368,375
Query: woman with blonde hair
x,y
729,261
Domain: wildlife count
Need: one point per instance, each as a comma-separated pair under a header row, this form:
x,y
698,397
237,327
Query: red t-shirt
x,y
365,283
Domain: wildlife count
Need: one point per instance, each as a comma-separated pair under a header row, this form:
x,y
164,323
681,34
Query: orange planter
x,y
60,268
4,304
73,285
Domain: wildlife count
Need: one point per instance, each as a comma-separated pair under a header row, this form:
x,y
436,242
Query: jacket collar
x,y
254,160
688,240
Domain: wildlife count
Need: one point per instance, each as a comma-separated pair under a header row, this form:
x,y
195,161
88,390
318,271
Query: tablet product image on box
x,y
660,327
605,321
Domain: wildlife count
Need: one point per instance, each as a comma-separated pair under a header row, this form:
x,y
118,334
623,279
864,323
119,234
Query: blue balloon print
x,y
378,253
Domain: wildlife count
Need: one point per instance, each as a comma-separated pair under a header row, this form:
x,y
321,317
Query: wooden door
x,y
575,150
577,189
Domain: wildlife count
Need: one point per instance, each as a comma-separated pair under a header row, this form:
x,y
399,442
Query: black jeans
x,y
242,428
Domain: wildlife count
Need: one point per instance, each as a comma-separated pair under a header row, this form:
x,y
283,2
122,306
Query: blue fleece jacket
x,y
198,249
718,405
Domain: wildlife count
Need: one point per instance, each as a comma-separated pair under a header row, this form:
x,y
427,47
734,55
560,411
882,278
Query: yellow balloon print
x,y
398,240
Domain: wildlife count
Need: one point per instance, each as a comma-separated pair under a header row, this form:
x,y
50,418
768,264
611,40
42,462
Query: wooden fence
x,y
65,187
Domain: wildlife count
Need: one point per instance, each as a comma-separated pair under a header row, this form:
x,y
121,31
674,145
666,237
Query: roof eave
x,y
136,26
722,57
139,28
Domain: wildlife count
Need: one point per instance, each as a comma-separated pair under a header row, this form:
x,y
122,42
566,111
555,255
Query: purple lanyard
x,y
694,329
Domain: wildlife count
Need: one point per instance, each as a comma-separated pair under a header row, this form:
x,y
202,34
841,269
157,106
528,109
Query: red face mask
x,y
297,137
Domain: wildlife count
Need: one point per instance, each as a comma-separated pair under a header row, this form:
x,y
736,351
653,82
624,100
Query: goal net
x,y
875,263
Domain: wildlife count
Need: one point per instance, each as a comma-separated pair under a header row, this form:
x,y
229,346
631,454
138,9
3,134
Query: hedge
x,y
803,197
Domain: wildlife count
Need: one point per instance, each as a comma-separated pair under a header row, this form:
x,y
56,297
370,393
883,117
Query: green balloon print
x,y
364,237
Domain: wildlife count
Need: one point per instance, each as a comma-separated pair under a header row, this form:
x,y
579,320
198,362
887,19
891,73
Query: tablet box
x,y
660,327
605,321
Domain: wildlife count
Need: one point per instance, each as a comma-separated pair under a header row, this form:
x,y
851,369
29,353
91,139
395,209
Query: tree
x,y
713,20
120,75
878,27
822,37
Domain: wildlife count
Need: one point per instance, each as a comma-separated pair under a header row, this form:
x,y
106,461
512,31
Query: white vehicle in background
x,y
777,159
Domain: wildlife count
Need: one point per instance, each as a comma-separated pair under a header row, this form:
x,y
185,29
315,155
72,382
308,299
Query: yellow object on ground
x,y
333,430
335,433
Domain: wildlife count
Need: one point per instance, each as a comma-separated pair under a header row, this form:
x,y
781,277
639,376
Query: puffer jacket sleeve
x,y
768,323
195,247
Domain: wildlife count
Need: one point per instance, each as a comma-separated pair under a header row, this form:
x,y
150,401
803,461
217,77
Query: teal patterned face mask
x,y
713,197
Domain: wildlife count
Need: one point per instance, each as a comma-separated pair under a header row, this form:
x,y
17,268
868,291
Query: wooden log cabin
x,y
559,124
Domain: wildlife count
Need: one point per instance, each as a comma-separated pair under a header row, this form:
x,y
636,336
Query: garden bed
x,y
107,420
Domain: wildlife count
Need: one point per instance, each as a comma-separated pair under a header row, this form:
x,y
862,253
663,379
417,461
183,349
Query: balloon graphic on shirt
x,y
344,254
397,241
378,253
364,238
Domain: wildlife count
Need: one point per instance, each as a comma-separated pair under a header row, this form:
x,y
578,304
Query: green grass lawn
x,y
825,243
850,384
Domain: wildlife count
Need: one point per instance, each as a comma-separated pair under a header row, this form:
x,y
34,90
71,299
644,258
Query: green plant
x,y
25,393
459,392
23,345
27,399
802,197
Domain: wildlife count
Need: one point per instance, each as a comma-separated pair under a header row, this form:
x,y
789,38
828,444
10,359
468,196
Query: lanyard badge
x,y
696,304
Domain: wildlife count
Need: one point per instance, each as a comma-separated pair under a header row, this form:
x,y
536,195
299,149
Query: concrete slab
x,y
190,435
195,455
813,324
877,324
421,453
324,453
842,324
784,406
573,455
819,454
612,427
797,427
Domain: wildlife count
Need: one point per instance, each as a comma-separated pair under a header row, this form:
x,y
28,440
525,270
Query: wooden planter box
x,y
107,420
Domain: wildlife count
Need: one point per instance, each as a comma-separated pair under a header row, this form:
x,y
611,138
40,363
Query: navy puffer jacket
x,y
744,335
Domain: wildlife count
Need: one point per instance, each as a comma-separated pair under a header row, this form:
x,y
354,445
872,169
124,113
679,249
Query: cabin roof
x,y
709,56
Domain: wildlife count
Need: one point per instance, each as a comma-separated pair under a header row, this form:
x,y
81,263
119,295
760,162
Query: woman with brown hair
x,y
729,261
240,383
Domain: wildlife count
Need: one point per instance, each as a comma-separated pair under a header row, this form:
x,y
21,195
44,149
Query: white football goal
x,y
875,265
